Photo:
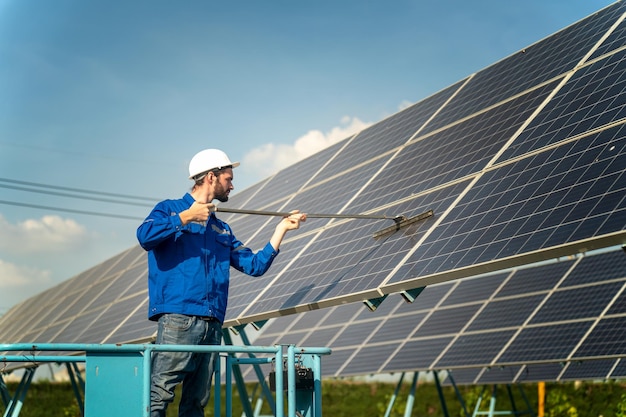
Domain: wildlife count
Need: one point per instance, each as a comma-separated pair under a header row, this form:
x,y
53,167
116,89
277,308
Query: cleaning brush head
x,y
402,222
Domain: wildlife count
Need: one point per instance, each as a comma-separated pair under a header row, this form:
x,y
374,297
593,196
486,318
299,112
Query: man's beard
x,y
220,193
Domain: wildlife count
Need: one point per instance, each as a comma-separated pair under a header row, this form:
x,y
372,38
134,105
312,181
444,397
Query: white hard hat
x,y
208,160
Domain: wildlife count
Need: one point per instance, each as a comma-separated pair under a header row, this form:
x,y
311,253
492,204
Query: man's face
x,y
223,185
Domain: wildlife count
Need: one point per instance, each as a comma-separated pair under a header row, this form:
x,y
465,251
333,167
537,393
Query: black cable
x,y
91,213
106,200
79,190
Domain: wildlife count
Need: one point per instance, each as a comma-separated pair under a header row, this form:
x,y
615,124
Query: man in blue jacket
x,y
190,252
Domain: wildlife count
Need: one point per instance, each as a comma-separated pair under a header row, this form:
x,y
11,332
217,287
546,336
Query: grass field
x,y
343,398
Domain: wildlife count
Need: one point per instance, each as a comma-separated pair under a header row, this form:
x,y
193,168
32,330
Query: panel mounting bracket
x,y
410,295
373,303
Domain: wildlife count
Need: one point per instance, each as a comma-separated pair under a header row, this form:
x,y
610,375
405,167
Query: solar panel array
x,y
520,162
563,320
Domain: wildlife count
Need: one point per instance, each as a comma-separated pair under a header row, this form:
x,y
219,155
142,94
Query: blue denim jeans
x,y
194,370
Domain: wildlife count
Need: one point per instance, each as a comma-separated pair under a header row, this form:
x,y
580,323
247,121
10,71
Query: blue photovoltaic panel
x,y
499,375
395,325
594,97
366,360
468,291
505,313
541,372
396,130
462,149
474,349
588,370
616,39
419,353
463,376
606,339
566,193
619,306
537,343
322,196
352,335
539,278
331,268
135,328
620,369
594,269
501,217
447,321
577,303
290,179
441,330
531,66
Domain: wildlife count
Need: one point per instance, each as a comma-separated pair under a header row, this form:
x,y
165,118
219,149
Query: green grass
x,y
350,398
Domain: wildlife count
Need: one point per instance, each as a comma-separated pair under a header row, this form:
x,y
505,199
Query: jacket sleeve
x,y
160,225
256,264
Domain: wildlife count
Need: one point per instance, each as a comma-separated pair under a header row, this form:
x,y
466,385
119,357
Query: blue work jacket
x,y
189,266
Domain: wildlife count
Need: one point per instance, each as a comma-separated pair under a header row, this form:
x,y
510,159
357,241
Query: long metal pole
x,y
309,215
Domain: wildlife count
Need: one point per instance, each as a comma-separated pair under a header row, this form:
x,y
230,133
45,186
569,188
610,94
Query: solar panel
x,y
530,332
518,168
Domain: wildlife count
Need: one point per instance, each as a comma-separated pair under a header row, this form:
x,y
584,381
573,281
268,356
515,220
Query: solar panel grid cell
x,y
577,303
463,376
619,305
447,321
587,370
538,343
368,360
541,372
469,291
609,266
71,333
594,97
620,369
109,319
500,375
355,333
474,349
418,354
137,304
505,313
329,196
243,295
616,39
395,326
605,339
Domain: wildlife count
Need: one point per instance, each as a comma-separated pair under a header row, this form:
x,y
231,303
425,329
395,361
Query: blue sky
x,y
116,97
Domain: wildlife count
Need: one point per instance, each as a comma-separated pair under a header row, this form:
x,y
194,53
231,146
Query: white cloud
x,y
404,104
22,276
270,158
46,235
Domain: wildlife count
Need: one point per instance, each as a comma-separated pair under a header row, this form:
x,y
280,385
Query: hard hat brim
x,y
232,165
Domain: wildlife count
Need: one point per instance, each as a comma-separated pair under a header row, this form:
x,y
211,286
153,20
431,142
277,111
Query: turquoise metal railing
x,y
117,377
